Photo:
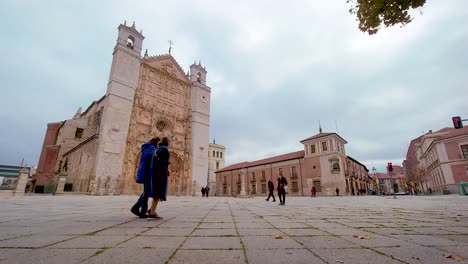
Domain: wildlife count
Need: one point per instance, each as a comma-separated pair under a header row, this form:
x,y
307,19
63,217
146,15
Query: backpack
x,y
141,172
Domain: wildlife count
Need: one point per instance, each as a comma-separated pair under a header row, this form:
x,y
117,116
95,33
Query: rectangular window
x,y
312,149
253,176
263,175
324,146
464,149
79,132
280,170
263,188
238,178
293,172
217,165
221,155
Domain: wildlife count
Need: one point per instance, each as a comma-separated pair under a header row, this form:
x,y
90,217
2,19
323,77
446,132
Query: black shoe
x,y
155,215
274,200
143,215
266,200
135,211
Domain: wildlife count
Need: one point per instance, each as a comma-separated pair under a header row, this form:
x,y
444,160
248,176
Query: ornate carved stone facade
x,y
161,108
99,149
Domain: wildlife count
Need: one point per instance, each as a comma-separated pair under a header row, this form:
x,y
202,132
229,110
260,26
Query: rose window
x,y
161,126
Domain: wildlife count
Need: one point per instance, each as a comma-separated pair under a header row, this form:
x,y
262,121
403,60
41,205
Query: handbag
x,y
286,189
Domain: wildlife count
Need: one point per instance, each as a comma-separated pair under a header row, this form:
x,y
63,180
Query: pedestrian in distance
x,y
282,183
203,190
207,191
145,171
337,191
313,191
160,176
271,188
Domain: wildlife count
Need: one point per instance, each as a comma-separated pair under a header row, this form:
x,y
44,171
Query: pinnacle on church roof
x,y
133,25
146,54
125,22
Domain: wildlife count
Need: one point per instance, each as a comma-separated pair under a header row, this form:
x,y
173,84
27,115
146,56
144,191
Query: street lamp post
x,y
375,184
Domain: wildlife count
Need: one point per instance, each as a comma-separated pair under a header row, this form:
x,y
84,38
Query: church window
x,y
199,77
324,146
221,155
160,126
79,132
213,153
312,149
130,41
217,154
217,165
263,175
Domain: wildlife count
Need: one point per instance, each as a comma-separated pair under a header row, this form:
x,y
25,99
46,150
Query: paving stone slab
x,y
280,256
153,242
304,232
94,241
215,232
418,254
326,242
51,256
166,231
131,255
270,242
212,243
208,257
361,256
6,253
33,241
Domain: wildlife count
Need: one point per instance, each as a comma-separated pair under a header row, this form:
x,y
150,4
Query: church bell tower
x,y
200,97
118,104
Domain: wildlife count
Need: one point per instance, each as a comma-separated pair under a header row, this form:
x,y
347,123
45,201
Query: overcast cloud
x,y
275,70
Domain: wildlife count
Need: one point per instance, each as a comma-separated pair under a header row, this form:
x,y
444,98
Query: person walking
x,y
160,176
207,191
337,191
146,160
271,188
203,190
282,183
313,191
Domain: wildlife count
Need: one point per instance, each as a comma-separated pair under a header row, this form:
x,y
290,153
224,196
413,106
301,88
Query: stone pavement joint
x,y
368,229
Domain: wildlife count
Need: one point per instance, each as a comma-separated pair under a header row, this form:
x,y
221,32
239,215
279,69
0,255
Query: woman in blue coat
x,y
160,176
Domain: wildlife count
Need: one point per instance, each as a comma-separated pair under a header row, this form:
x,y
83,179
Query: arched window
x,y
213,153
217,154
199,77
130,42
221,154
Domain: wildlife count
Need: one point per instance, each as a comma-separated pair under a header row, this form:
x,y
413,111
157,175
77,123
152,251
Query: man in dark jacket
x,y
271,188
147,153
282,182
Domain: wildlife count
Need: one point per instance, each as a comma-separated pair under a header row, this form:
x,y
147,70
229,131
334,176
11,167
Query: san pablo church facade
x,y
97,150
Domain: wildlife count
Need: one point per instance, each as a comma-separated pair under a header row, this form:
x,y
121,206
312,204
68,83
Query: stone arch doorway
x,y
176,181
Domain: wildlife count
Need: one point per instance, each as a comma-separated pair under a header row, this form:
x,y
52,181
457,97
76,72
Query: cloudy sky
x,y
275,70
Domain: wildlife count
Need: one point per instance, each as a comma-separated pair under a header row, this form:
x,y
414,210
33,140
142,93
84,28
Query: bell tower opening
x,y
130,41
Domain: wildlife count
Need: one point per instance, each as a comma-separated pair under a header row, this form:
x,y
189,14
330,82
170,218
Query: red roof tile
x,y
322,135
245,164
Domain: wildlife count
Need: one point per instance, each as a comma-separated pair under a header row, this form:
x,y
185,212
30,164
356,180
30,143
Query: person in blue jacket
x,y
147,151
160,176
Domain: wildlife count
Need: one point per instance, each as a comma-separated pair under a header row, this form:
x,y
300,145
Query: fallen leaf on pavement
x,y
278,237
363,237
456,257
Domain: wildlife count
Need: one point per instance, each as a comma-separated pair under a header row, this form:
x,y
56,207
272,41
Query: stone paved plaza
x,y
372,229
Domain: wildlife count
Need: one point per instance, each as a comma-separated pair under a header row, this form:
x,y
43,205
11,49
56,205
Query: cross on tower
x,y
170,46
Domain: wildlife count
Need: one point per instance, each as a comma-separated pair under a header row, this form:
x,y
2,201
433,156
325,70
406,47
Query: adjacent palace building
x,y
97,150
322,163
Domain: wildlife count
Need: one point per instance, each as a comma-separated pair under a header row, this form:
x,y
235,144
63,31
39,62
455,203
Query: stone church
x,y
97,151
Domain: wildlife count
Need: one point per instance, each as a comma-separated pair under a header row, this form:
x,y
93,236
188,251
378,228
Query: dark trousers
x,y
282,197
271,195
143,200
